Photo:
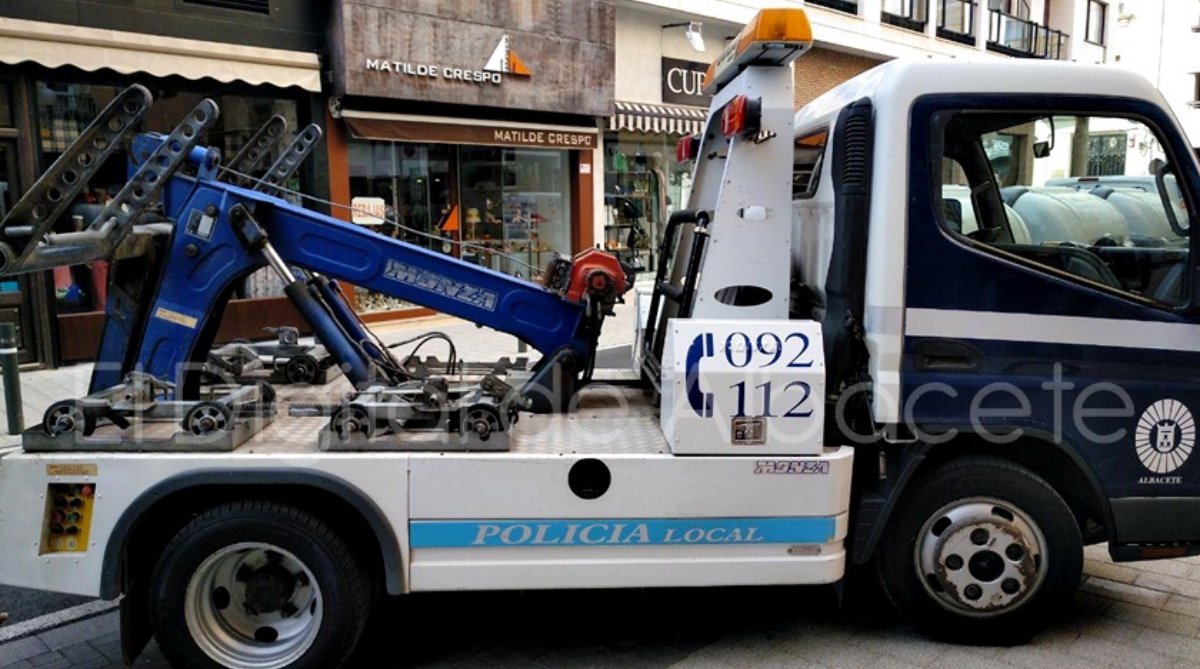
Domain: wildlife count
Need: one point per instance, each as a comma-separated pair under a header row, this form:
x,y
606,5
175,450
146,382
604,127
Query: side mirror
x,y
952,210
1043,149
1160,177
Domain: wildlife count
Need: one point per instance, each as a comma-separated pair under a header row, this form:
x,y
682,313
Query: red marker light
x,y
687,148
87,491
741,117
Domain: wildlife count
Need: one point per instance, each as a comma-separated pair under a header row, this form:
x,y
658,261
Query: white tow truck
x,y
873,339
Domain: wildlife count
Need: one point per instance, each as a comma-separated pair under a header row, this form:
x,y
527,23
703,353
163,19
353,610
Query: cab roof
x,y
899,82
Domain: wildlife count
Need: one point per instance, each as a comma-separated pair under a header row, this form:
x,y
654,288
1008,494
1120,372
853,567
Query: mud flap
x,y
135,623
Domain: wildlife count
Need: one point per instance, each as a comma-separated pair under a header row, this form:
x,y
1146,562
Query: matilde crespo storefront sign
x,y
503,62
480,53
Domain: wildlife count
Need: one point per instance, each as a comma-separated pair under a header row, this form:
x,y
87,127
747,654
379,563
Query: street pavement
x,y
1128,616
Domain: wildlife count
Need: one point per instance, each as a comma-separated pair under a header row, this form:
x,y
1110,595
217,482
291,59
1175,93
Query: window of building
x,y
1106,154
66,109
643,186
848,6
1195,90
502,207
1017,8
1097,15
1024,186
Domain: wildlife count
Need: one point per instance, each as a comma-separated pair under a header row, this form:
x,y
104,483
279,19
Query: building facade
x,y
1161,41
471,128
663,48
62,62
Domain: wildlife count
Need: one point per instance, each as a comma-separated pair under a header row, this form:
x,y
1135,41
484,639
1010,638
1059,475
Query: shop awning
x,y
91,49
658,119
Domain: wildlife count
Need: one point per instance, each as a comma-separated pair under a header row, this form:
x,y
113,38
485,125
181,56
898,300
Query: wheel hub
x,y
981,557
269,589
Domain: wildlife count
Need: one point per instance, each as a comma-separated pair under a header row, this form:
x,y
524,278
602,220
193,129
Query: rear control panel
x,y
68,517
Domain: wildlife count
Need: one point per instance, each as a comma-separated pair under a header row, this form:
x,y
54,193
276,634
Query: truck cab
x,y
1000,255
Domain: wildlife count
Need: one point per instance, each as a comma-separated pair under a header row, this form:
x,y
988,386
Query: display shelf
x,y
634,211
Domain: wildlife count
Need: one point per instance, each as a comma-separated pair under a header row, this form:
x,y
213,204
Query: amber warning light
x,y
774,37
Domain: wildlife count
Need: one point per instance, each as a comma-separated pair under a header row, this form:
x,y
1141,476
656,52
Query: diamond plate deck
x,y
607,419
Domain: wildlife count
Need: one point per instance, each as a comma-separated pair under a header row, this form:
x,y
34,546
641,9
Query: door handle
x,y
947,355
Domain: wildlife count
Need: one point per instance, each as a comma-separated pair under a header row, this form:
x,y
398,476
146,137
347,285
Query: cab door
x,y
1049,317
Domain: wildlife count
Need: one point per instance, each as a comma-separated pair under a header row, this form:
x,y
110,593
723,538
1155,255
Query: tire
x,y
258,585
980,551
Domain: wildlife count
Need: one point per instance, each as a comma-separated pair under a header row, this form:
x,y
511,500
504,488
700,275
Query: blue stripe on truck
x,y
620,532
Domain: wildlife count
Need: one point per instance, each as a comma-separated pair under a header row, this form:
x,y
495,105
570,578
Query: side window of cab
x,y
808,156
1092,199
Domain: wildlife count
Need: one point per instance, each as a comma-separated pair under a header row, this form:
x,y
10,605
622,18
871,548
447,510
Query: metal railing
x,y
1022,38
848,6
956,20
909,14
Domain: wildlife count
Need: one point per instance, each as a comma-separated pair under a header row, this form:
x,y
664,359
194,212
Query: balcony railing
x,y
1025,39
956,20
910,14
848,6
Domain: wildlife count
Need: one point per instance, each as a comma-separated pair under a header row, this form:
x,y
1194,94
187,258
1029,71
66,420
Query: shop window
x,y
517,207
414,183
500,207
643,186
66,109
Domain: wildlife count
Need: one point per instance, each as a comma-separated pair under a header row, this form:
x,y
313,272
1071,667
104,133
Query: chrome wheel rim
x,y
981,557
253,606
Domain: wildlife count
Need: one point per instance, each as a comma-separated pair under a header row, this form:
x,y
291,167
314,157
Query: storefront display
x,y
65,109
61,65
502,207
643,185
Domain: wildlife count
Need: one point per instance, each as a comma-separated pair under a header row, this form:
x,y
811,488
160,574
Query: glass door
x,y
14,295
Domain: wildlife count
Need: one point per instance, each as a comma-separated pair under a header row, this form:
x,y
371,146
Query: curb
x,y
50,621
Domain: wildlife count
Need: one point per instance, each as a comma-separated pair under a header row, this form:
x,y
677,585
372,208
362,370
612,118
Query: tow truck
x,y
875,339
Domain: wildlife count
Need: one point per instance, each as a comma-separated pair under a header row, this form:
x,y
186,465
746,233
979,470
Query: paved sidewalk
x,y
1140,616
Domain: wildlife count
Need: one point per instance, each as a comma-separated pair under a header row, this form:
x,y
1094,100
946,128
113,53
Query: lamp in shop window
x,y
692,30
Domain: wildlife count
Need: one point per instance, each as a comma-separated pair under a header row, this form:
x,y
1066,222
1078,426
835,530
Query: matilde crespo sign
x,y
683,82
502,62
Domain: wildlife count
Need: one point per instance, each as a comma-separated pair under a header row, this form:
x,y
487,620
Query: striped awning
x,y
60,45
658,119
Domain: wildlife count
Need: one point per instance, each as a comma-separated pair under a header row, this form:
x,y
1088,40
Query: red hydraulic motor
x,y
598,275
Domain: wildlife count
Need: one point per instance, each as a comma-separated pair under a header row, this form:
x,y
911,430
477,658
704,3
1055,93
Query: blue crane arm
x,y
439,281
208,255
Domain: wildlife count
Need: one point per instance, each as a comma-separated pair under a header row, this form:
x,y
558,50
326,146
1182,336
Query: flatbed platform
x,y
609,418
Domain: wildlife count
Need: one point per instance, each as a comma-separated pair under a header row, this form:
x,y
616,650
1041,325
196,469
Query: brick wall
x,y
821,69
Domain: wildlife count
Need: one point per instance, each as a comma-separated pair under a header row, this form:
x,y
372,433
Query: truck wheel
x,y
981,551
258,585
